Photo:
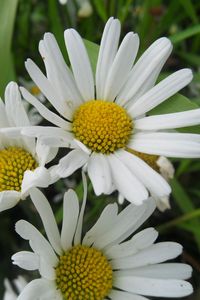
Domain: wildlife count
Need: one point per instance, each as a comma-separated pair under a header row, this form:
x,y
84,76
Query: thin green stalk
x,y
186,217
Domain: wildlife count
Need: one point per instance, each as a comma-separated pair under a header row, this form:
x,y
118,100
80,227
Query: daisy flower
x,y
22,159
106,263
19,284
103,119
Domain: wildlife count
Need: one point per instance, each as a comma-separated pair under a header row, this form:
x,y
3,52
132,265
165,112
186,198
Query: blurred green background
x,y
23,24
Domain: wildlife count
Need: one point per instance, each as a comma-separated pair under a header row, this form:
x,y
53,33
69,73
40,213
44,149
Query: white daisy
x,y
103,119
22,159
103,263
10,293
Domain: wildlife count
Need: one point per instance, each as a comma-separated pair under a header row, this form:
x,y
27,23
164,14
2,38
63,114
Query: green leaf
x,y
185,204
185,34
56,25
7,17
93,51
176,103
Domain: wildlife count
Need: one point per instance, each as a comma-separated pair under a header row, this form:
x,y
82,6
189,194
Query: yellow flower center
x,y
151,160
102,126
14,161
84,273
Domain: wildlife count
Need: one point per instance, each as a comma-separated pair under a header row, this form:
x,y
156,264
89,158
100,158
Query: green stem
x,y
178,221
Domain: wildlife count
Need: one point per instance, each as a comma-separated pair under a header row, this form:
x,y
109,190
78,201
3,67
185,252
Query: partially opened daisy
x,y
105,263
22,159
11,293
103,118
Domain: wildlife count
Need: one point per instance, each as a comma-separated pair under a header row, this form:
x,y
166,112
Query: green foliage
x,y
7,17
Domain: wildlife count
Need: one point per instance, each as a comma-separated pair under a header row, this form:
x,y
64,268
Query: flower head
x,y
105,119
106,262
22,159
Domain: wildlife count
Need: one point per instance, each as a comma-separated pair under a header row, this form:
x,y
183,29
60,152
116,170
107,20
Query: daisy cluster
x,y
101,120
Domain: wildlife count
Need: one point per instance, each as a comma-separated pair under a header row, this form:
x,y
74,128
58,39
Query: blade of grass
x,y
190,10
56,25
7,17
186,206
185,34
100,9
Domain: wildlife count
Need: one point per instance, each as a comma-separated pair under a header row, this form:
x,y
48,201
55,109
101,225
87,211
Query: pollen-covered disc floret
x,y
84,273
14,161
102,126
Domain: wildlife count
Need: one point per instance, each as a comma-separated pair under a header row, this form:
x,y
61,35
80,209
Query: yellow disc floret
x,y
14,161
84,273
102,126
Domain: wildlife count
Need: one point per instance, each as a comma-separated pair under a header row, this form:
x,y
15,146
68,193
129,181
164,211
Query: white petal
x,y
80,64
156,253
169,121
122,295
154,287
166,168
20,283
78,233
44,153
40,177
145,68
139,241
106,220
37,242
173,144
9,293
125,224
26,260
159,93
44,209
4,122
53,133
121,66
99,173
162,203
161,271
47,89
126,183
14,108
71,162
59,73
70,218
13,137
107,52
46,270
40,289
44,111
9,199
152,180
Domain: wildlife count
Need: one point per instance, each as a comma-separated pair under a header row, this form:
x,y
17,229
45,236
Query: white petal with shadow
x,y
80,64
70,218
44,209
126,182
107,52
160,92
99,173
